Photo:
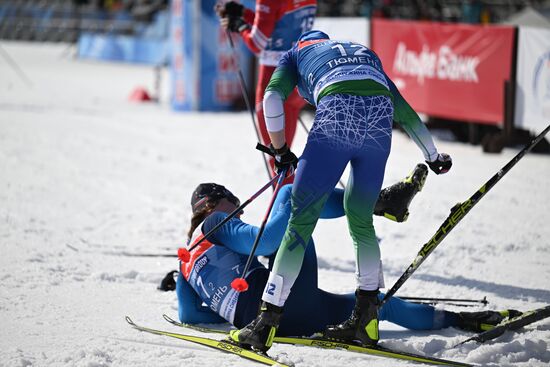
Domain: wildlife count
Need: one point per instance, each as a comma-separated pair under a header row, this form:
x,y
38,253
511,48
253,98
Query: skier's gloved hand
x,y
232,9
234,24
442,164
284,158
168,283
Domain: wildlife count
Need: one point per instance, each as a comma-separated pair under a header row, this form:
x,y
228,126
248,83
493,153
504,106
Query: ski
x,y
221,345
514,323
375,351
202,329
332,344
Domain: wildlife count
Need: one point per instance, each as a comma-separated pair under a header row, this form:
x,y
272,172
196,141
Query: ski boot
x,y
362,325
393,202
483,320
259,334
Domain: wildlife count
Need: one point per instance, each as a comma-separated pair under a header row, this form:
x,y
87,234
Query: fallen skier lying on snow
x,y
204,287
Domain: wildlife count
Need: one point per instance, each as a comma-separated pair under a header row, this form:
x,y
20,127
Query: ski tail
x,y
514,323
375,351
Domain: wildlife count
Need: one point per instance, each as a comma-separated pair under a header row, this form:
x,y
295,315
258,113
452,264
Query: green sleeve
x,y
283,81
409,120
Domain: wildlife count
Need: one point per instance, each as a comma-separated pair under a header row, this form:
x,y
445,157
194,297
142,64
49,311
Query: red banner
x,y
446,70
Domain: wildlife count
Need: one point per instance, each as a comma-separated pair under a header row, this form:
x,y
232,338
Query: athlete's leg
x,y
370,125
407,314
318,171
363,189
304,310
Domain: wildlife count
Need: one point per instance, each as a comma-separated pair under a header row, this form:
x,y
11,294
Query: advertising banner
x,y
204,67
152,51
452,71
149,46
533,79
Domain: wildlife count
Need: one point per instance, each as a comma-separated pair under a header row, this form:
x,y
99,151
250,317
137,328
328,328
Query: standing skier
x,y
269,32
356,103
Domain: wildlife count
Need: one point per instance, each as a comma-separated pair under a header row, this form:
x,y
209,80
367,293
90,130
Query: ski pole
x,y
458,212
307,132
445,300
240,284
184,254
511,324
244,92
16,67
131,254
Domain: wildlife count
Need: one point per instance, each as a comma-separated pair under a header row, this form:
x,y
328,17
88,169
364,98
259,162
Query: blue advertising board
x,y
204,68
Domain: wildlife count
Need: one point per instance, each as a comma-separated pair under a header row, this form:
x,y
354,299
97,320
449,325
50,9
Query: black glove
x,y
237,25
233,10
284,158
442,164
168,283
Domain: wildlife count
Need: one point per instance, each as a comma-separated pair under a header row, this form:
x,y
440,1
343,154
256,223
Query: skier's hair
x,y
199,216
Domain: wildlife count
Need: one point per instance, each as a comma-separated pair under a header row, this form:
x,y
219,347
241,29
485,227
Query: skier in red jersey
x,y
268,32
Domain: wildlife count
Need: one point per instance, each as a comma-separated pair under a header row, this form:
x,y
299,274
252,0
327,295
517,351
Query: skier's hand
x,y
442,164
230,9
284,159
235,24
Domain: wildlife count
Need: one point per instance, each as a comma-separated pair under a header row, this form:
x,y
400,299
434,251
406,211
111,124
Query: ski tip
x,y
474,339
129,321
168,318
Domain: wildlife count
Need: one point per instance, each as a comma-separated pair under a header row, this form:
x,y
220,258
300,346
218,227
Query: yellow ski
x,y
222,345
331,344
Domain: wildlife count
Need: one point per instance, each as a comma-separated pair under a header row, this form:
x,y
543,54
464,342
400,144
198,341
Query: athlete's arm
x,y
248,15
282,83
265,18
409,120
190,306
239,236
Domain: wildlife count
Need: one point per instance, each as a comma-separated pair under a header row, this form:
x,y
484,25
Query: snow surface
x,y
85,174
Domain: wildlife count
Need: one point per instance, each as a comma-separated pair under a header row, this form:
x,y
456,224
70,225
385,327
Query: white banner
x,y
345,29
533,79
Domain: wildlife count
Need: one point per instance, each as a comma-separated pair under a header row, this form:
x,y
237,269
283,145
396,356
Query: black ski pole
x,y
430,300
184,254
512,324
302,123
240,284
244,92
458,212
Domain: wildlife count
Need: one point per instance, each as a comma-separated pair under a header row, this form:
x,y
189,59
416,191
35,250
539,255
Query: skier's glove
x,y
442,164
168,283
231,9
284,159
236,24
